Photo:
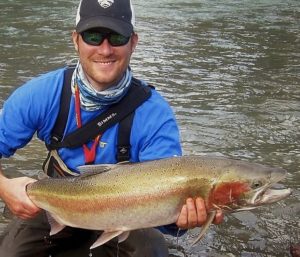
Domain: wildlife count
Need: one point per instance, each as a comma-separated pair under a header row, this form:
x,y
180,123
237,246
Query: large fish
x,y
124,197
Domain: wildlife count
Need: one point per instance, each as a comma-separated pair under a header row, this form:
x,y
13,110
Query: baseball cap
x,y
117,15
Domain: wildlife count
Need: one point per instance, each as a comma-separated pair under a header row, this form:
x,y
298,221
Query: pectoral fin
x,y
205,227
106,236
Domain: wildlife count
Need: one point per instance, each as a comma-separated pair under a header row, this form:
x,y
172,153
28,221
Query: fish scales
x,y
149,194
126,190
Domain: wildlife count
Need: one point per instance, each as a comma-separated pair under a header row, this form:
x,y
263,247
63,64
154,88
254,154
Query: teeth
x,y
101,62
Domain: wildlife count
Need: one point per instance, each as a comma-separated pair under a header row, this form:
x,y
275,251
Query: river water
x,y
230,70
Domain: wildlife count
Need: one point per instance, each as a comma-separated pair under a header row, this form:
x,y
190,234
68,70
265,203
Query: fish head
x,y
245,186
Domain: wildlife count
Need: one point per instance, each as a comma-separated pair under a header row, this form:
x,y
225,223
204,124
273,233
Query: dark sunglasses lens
x,y
92,37
96,38
118,40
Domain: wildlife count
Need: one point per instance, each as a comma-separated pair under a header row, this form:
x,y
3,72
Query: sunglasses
x,y
96,38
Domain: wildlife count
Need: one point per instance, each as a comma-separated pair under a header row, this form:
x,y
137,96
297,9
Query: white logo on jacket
x,y
105,3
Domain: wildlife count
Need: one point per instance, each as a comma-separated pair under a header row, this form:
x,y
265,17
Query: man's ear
x,y
75,37
134,41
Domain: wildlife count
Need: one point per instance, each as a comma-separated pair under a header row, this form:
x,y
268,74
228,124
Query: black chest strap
x,y
65,99
123,148
122,112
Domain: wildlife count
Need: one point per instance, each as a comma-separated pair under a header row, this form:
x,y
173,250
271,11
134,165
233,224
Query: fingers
x,y
17,199
201,211
192,217
219,217
30,210
182,221
24,209
194,214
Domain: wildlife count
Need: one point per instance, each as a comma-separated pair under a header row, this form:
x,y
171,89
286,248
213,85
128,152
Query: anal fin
x,y
106,236
54,224
123,236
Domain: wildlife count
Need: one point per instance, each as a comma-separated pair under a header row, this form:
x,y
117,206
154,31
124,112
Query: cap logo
x,y
105,3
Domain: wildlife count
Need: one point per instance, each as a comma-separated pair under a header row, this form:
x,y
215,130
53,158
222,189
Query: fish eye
x,y
256,184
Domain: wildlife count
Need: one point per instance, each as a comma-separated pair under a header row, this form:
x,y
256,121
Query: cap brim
x,y
116,25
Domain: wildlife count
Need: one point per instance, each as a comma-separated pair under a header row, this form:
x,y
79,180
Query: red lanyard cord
x,y
89,153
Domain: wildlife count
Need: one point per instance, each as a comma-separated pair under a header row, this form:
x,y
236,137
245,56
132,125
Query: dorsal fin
x,y
95,169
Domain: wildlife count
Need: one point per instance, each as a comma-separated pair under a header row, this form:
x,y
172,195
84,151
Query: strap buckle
x,y
123,153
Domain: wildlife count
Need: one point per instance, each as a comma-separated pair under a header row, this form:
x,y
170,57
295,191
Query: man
x,y
105,40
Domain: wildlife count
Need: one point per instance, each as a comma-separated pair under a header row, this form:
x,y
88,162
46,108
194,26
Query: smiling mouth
x,y
104,62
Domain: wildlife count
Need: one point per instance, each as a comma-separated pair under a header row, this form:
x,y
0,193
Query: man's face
x,y
104,65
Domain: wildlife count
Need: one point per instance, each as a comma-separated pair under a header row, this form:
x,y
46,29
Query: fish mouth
x,y
270,195
271,192
266,195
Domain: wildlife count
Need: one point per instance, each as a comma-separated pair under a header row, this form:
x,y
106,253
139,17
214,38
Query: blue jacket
x,y
33,108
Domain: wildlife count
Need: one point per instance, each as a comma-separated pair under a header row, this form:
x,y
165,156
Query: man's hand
x,y
194,214
13,193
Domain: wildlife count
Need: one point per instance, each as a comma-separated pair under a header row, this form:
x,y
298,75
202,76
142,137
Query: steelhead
x,y
124,197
